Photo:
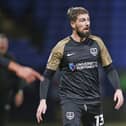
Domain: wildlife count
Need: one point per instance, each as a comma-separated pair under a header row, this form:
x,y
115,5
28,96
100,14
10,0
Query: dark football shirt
x,y
78,63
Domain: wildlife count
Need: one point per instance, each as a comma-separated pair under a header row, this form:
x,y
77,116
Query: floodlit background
x,y
35,26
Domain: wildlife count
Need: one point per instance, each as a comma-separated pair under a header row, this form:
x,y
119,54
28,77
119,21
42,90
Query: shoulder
x,y
98,40
60,44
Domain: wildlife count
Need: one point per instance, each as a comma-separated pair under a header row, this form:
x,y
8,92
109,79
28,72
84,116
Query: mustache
x,y
87,28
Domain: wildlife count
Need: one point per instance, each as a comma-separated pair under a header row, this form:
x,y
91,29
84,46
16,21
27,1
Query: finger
x,y
30,79
39,118
42,78
39,115
44,110
118,105
121,101
115,97
37,75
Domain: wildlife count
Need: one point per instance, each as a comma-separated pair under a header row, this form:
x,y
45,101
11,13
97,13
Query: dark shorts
x,y
73,114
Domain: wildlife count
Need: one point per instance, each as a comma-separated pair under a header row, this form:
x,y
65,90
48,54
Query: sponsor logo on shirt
x,y
72,67
81,66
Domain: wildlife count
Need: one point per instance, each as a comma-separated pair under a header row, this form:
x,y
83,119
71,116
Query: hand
x,y
19,98
41,110
118,96
28,74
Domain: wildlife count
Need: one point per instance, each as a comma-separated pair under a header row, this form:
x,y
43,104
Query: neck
x,y
77,38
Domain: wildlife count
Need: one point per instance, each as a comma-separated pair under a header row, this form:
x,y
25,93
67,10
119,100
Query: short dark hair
x,y
73,12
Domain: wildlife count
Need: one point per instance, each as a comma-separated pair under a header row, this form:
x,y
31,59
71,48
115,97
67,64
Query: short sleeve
x,y
57,54
105,56
54,59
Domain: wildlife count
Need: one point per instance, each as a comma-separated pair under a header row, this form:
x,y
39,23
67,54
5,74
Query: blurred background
x,y
33,27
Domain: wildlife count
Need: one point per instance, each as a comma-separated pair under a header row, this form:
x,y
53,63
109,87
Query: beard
x,y
83,34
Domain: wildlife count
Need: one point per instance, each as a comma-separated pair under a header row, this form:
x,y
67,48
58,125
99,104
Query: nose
x,y
87,23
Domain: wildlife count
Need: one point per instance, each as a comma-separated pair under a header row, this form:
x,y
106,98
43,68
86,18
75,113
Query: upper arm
x,y
57,54
105,56
54,59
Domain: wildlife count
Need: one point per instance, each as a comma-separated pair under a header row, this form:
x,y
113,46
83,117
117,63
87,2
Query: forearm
x,y
44,85
10,64
113,76
14,66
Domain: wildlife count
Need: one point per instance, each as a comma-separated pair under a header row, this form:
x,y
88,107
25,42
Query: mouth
x,y
86,29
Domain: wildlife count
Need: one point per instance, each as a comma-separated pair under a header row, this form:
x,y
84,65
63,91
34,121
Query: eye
x,y
82,20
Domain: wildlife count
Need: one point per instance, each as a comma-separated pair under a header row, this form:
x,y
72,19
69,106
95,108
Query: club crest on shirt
x,y
94,51
70,115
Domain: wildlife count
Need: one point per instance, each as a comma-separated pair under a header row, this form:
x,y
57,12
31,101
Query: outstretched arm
x,y
26,73
114,79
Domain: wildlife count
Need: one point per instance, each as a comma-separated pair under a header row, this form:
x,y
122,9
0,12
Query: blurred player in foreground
x,y
10,89
78,57
26,73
